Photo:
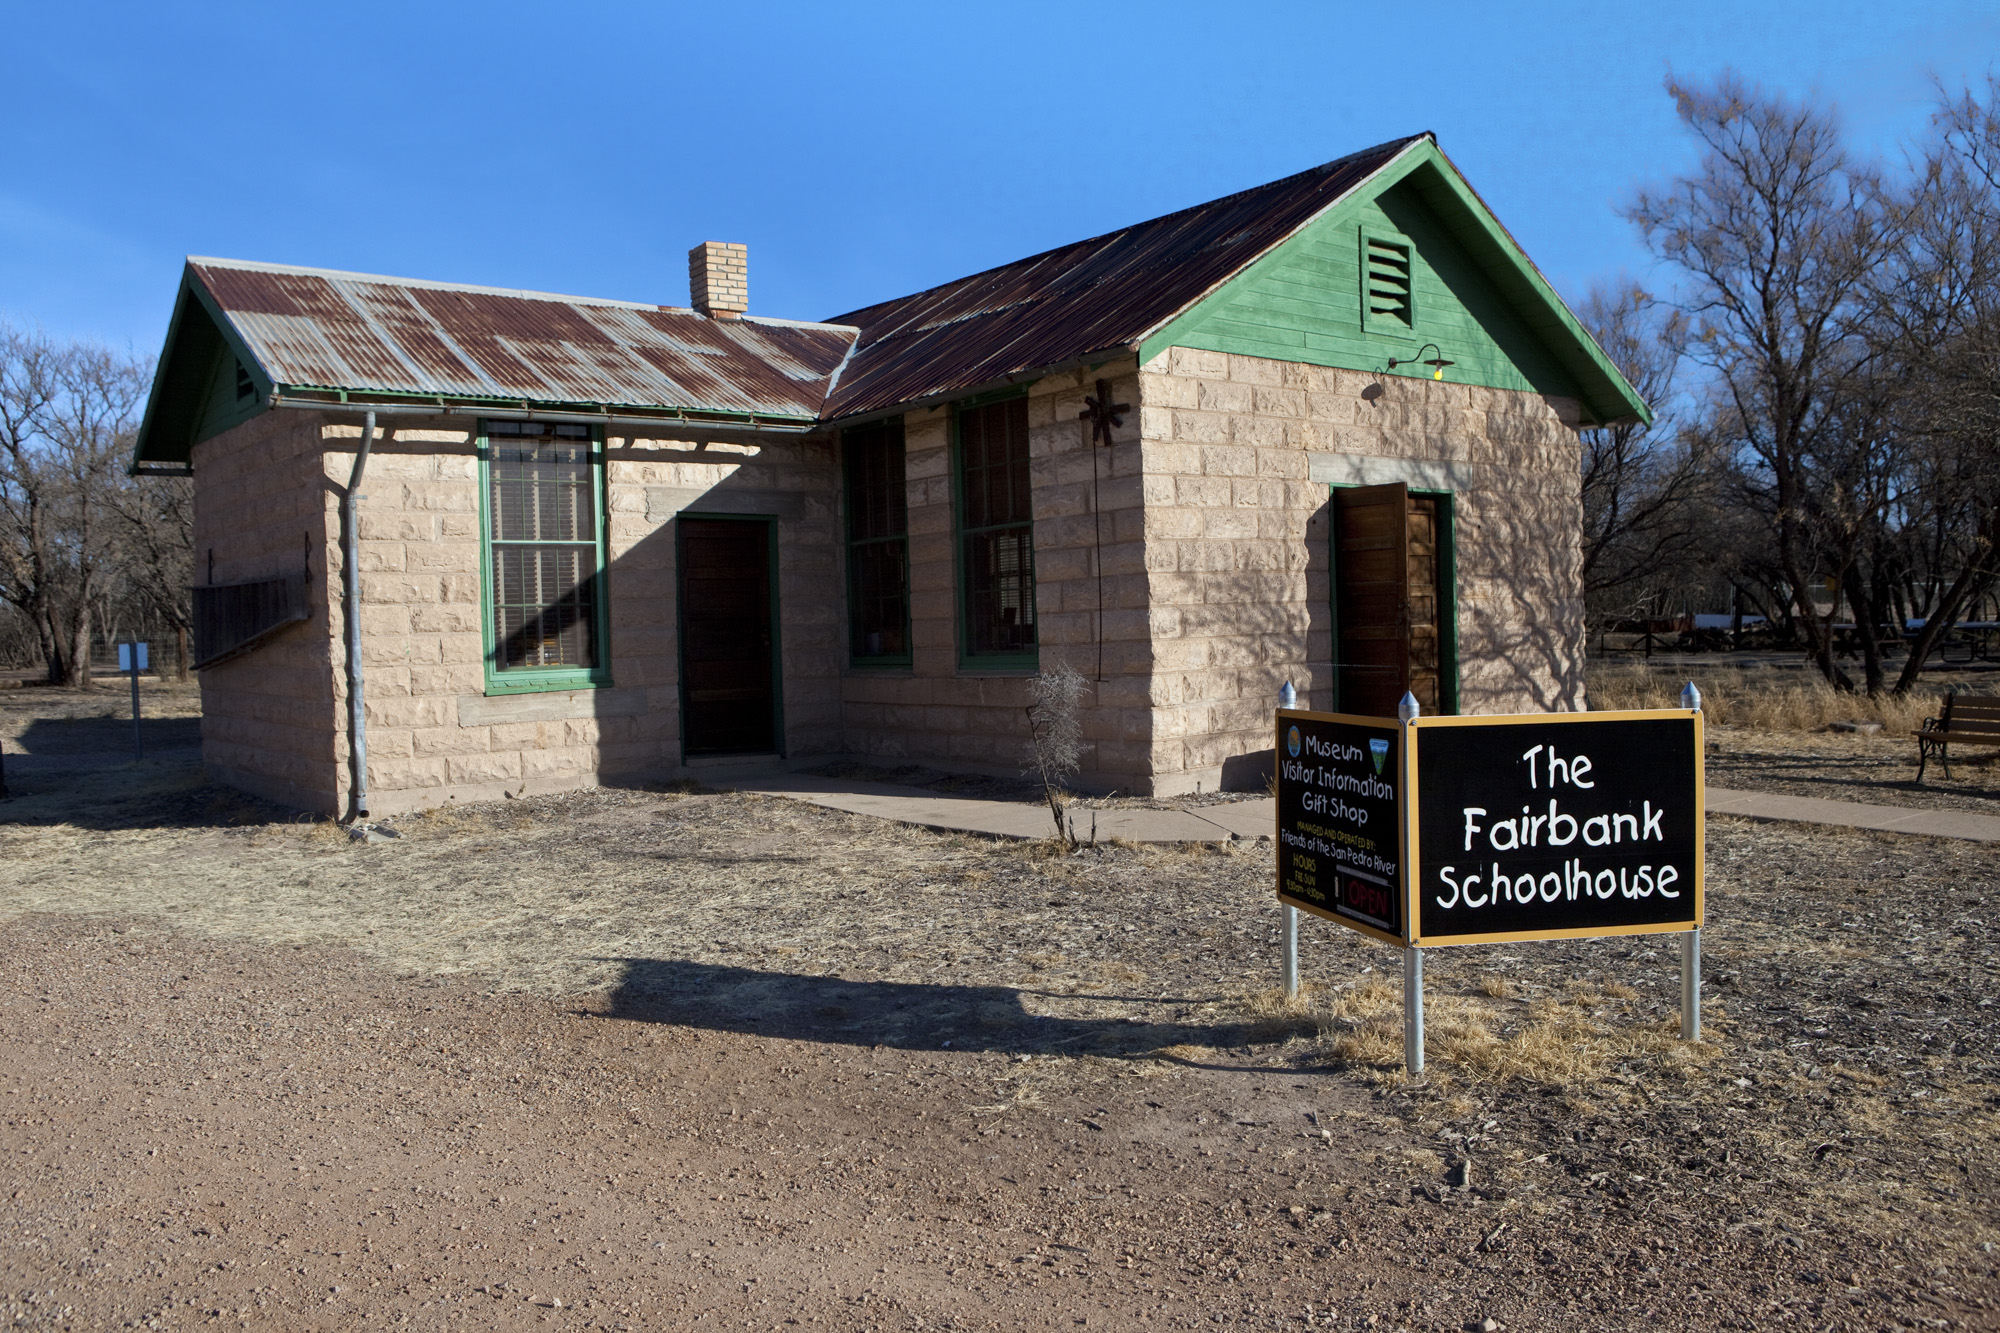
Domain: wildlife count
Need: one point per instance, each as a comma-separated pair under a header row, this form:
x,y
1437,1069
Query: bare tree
x,y
29,560
67,413
1939,312
1644,487
1777,233
156,518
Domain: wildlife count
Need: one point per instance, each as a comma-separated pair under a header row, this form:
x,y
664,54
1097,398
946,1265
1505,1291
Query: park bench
x,y
1968,719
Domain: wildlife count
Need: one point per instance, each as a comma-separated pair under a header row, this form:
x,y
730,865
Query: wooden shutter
x,y
233,618
1371,561
1423,575
1388,567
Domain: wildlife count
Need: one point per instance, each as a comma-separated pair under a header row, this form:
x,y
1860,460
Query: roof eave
x,y
1092,359
1616,400
1152,331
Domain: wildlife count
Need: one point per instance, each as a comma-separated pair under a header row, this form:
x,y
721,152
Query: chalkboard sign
x,y
1554,827
1340,818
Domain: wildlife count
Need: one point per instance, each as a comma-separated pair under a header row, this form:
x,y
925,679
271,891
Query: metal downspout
x,y
357,718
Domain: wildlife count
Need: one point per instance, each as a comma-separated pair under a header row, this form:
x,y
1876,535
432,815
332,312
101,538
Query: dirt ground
x,y
645,1060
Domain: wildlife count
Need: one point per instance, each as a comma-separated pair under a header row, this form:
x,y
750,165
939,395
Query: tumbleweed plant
x,y
1055,731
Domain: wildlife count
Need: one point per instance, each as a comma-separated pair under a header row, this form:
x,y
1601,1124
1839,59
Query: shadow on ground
x,y
104,793
104,735
1975,772
914,1015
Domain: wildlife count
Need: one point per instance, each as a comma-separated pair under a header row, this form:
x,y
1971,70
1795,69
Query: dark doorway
x,y
1393,616
729,702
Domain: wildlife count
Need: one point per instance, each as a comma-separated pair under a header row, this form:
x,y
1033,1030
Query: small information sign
x,y
1556,827
125,651
1340,820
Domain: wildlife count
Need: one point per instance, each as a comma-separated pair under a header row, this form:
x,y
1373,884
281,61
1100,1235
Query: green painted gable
x,y
199,386
1470,291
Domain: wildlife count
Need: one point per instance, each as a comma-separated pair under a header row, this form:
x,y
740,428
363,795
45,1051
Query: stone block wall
x,y
275,720
1238,454
1204,530
269,723
939,711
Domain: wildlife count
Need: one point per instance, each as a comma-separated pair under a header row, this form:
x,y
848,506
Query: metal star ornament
x,y
1102,413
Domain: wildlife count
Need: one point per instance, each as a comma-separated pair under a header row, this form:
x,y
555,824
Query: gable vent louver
x,y
1388,283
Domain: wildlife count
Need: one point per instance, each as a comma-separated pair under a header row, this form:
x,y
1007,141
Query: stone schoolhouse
x,y
1323,430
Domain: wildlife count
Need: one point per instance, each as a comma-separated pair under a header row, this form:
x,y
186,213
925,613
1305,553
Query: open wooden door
x,y
1386,567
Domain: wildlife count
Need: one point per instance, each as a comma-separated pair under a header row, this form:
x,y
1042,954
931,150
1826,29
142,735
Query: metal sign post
x,y
1288,697
132,658
1691,942
1413,957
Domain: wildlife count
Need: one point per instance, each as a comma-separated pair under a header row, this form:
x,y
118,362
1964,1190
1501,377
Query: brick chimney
x,y
719,279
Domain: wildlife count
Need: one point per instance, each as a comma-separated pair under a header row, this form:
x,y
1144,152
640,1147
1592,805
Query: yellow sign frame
x,y
1405,824
1412,847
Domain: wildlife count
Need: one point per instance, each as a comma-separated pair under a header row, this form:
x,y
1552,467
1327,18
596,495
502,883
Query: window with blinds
x,y
1387,291
996,531
878,545
544,552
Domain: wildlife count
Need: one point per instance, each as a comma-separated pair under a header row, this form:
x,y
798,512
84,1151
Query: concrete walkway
x,y
1014,819
1854,814
1256,818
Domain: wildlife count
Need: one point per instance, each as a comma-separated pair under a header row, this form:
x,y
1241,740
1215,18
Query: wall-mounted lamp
x,y
1437,361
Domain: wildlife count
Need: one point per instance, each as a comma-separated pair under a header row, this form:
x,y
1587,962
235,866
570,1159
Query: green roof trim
x,y
1474,292
202,352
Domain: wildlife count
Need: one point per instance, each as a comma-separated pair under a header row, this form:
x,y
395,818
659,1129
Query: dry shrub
x,y
1761,700
1499,987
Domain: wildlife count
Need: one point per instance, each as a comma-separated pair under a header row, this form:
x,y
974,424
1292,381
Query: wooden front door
x,y
1387,566
728,700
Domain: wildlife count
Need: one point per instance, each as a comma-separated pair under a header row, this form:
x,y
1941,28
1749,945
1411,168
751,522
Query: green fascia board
x,y
1419,191
178,411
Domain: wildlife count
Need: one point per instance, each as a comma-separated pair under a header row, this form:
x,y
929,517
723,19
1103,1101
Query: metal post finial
x,y
1409,708
1287,696
1691,697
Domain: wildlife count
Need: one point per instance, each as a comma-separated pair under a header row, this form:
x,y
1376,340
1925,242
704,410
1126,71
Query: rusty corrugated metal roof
x,y
1056,307
358,332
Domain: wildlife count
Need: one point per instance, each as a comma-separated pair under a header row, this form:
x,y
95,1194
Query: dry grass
x,y
1760,700
1571,1043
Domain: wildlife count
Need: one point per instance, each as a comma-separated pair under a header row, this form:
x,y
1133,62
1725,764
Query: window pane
x,y
878,578
877,502
542,491
544,607
993,453
1000,590
878,546
544,545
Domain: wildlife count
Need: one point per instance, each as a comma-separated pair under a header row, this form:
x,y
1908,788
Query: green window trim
x,y
877,531
965,533
542,680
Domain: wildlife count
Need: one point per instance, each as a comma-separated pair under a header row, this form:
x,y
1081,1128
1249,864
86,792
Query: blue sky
x,y
861,151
